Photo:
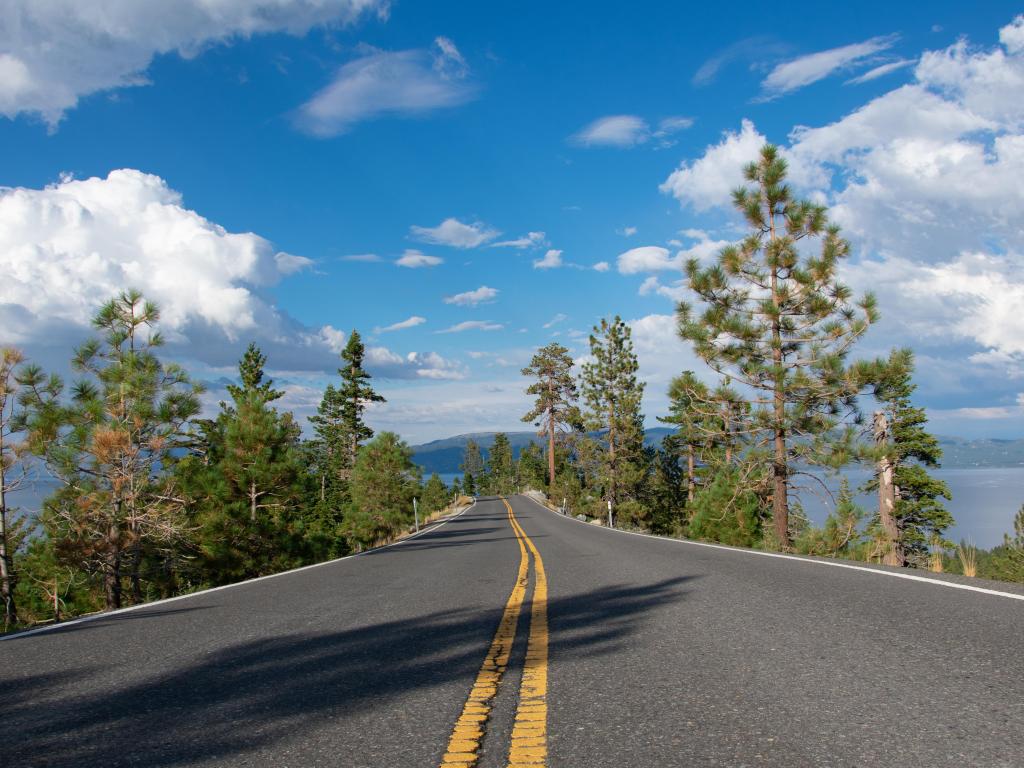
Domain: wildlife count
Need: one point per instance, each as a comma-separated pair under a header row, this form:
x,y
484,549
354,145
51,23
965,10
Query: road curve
x,y
656,653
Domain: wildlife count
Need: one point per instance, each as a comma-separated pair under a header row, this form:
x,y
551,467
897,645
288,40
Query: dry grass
x,y
968,554
937,553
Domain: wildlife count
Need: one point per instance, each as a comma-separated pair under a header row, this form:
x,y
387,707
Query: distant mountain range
x,y
445,456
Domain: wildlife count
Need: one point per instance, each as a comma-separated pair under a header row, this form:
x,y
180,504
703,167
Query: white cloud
x,y
925,181
68,247
529,240
602,266
473,325
410,322
454,233
414,259
552,260
709,181
654,258
388,83
881,71
805,70
559,318
627,231
677,291
628,131
472,298
57,51
613,131
369,258
647,258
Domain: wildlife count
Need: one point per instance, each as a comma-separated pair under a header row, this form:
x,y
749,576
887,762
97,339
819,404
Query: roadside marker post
x,y
611,523
416,514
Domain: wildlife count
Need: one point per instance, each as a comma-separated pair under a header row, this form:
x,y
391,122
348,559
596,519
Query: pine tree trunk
x,y
691,476
112,578
136,578
613,473
886,470
6,575
780,469
551,440
252,501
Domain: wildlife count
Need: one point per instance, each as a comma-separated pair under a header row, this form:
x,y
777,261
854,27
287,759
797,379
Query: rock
x,y
582,517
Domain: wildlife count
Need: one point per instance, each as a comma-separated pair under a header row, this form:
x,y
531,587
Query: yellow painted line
x,y
464,745
529,748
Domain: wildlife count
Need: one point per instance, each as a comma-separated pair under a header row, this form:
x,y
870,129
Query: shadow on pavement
x,y
254,694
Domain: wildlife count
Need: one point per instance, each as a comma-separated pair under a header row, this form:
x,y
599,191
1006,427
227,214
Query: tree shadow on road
x,y
257,694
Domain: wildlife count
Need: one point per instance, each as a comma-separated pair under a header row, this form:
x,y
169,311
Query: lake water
x,y
984,503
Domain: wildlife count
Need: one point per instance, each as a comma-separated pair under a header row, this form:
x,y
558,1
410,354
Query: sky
x,y
466,182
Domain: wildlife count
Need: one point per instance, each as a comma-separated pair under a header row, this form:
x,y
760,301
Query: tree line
x,y
777,407
152,500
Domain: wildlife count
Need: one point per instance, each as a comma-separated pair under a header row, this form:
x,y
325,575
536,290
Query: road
x,y
637,652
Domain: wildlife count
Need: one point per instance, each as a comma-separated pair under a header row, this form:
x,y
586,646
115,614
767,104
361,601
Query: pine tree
x,y
111,446
613,394
555,408
434,496
687,411
247,490
530,467
777,320
355,394
384,483
500,466
330,452
250,372
667,490
474,478
13,475
910,511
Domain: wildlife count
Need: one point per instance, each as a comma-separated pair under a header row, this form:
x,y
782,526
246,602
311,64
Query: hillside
x,y
444,456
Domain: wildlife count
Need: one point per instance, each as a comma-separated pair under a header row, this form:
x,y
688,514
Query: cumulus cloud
x,y
414,259
602,266
54,53
925,180
529,240
797,73
69,246
481,295
552,260
654,258
411,322
388,83
415,365
708,182
473,325
454,233
628,131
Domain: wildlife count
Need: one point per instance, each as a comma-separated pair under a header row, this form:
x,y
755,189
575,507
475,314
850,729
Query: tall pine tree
x,y
355,394
554,388
474,475
777,320
613,394
111,445
501,467
910,510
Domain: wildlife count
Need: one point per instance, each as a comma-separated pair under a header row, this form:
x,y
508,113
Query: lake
x,y
984,503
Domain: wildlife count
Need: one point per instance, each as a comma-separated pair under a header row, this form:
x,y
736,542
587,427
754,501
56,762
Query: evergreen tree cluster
x,y
778,405
154,501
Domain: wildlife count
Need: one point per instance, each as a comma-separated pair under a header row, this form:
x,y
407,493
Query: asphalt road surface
x,y
530,639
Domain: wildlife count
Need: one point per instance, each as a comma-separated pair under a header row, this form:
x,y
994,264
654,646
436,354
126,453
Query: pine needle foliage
x,y
554,410
777,321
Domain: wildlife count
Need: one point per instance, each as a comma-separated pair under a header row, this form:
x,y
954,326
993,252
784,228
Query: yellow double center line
x,y
529,733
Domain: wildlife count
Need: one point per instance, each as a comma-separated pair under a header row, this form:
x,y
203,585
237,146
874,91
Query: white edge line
x,y
140,606
781,556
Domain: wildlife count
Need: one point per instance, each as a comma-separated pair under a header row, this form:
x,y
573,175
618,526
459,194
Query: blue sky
x,y
261,171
